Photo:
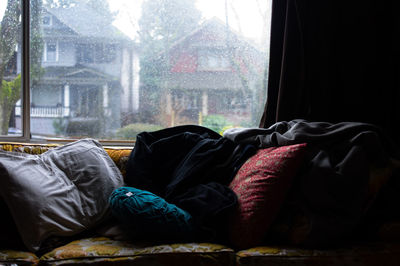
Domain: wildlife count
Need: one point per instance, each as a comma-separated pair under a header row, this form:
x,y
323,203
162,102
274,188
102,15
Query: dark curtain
x,y
335,61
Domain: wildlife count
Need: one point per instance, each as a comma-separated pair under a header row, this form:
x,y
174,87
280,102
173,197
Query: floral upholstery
x,y
120,157
102,250
12,257
27,148
360,254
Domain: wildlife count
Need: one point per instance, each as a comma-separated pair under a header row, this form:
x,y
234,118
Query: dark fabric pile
x,y
331,197
190,166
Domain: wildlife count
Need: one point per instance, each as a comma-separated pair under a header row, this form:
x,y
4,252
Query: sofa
x,y
98,249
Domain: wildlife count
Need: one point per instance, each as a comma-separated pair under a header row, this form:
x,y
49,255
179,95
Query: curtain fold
x,y
334,61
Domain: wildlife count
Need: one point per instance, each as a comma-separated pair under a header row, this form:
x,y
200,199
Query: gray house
x,y
90,75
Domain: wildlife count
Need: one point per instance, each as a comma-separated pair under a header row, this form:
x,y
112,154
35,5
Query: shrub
x,y
215,122
83,127
130,131
60,126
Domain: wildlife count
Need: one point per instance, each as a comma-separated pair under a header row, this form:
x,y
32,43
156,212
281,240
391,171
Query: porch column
x,y
168,108
66,111
105,99
204,103
136,83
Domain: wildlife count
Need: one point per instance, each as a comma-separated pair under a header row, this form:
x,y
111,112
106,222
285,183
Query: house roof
x,y
75,75
85,21
204,81
215,24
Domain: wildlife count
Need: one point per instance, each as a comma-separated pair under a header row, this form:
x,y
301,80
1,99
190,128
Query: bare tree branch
x,y
236,14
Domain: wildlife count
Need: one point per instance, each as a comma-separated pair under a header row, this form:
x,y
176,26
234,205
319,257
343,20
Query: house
x,y
212,71
90,75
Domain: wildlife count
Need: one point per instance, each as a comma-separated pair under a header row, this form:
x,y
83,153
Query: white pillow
x,y
60,192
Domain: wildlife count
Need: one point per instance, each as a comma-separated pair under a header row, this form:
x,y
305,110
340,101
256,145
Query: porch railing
x,y
45,111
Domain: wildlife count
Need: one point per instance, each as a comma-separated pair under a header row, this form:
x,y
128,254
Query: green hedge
x,y
215,122
130,131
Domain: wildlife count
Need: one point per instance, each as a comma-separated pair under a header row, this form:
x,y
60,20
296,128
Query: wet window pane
x,y
51,54
10,78
112,69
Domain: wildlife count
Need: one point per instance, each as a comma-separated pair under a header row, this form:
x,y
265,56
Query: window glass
x,y
109,69
85,53
213,60
46,20
51,52
10,78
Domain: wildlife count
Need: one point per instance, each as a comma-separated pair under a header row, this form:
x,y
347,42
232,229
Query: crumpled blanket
x,y
191,167
332,192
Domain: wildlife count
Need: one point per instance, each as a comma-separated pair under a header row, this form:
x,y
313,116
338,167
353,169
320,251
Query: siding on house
x,y
213,70
84,67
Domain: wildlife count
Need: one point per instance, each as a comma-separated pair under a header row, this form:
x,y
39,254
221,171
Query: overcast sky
x,y
247,11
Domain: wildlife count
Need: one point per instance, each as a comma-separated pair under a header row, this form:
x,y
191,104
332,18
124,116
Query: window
x,y
85,53
106,66
10,78
47,20
96,53
51,51
105,53
213,60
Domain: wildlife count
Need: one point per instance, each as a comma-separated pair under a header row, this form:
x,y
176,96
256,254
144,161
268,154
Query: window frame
x,y
26,136
45,52
50,20
99,53
205,55
25,78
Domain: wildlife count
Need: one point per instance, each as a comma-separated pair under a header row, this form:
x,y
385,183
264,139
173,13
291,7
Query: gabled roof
x,y
216,24
75,74
86,22
88,73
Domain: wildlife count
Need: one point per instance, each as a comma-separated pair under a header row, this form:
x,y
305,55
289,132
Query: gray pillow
x,y
60,192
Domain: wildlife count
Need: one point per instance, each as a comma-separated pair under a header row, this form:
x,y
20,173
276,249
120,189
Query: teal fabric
x,y
147,215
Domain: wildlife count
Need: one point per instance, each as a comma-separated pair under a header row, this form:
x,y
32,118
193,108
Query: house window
x,y
51,51
213,60
96,53
47,20
85,53
105,53
118,66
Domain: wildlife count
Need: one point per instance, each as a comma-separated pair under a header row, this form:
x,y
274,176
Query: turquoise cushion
x,y
150,216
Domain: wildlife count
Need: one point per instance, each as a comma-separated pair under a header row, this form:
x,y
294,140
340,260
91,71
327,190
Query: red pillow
x,y
261,185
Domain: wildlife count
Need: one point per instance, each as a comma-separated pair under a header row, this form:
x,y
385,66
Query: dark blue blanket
x,y
190,166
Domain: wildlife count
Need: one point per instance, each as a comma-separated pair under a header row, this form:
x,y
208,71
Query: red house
x,y
213,71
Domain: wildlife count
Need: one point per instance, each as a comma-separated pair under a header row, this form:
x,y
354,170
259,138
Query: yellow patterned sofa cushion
x,y
103,251
118,155
365,254
12,257
26,148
